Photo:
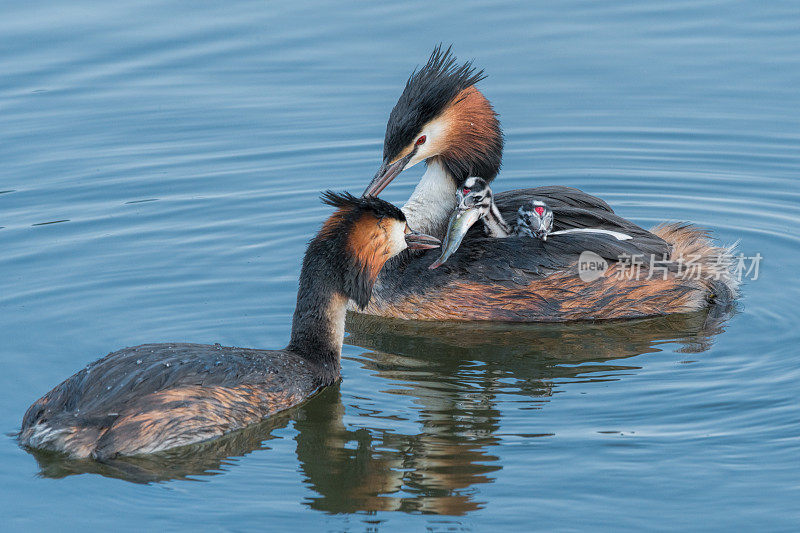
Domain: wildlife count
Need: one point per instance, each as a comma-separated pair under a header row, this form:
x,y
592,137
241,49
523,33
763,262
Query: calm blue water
x,y
161,164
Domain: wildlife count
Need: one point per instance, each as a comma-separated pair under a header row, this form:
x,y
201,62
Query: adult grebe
x,y
442,119
158,396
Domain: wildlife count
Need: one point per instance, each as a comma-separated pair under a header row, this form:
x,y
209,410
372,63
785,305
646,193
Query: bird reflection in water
x,y
454,373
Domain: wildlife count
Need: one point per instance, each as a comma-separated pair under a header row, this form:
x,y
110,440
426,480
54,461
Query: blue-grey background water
x,y
161,164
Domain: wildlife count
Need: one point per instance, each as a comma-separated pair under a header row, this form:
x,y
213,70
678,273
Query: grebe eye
x,y
421,140
465,190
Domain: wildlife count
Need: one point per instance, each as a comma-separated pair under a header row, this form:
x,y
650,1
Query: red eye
x,y
466,191
421,140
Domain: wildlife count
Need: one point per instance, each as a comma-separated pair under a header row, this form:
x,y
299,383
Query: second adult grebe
x,y
442,119
158,396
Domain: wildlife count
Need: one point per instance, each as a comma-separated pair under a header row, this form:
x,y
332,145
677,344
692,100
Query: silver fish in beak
x,y
460,222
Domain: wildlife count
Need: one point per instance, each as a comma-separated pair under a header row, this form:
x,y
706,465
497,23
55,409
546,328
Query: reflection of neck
x,y
432,201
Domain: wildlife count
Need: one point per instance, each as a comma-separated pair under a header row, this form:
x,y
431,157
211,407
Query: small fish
x,y
460,222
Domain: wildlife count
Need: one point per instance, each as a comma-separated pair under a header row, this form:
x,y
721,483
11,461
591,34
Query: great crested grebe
x,y
442,119
158,396
476,202
534,220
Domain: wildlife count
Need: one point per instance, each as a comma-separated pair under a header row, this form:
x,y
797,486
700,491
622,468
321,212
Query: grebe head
x,y
441,116
535,220
356,241
474,193
342,263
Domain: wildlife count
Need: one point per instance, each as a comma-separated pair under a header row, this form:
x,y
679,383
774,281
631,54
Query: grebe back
x,y
534,220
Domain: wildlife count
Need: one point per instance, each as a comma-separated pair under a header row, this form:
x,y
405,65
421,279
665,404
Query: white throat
x,y
432,201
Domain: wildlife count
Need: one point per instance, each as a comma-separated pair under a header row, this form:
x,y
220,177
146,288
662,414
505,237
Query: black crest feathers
x,y
358,205
427,92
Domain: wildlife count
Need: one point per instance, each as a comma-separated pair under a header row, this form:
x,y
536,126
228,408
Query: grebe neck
x,y
433,200
318,323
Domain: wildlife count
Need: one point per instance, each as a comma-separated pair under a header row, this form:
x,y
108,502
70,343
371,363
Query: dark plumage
x,y
573,208
158,396
515,261
519,279
355,206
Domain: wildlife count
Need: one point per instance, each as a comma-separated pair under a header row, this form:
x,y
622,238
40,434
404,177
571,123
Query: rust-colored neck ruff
x,y
472,126
473,143
369,243
470,144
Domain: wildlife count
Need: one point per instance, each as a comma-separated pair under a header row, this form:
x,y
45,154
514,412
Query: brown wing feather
x,y
538,282
156,396
561,296
185,415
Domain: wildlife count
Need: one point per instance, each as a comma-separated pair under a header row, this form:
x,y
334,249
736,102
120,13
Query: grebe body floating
x,y
158,396
443,120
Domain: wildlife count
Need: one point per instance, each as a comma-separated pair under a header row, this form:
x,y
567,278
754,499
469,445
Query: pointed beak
x,y
460,222
385,175
420,241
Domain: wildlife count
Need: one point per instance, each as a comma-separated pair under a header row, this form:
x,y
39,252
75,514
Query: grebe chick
x,y
534,220
158,396
475,201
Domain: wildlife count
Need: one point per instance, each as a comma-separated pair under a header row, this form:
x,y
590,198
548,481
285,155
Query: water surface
x,y
161,166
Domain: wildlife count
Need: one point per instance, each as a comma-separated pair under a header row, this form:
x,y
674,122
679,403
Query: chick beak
x,y
420,241
385,175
